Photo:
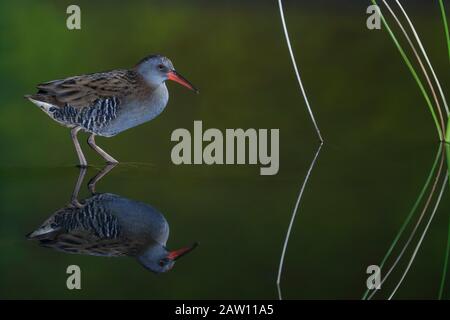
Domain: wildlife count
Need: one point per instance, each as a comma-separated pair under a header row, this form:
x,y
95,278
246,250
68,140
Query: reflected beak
x,y
175,76
176,254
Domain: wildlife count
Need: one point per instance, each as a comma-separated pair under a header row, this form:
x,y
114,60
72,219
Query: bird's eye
x,y
161,67
161,263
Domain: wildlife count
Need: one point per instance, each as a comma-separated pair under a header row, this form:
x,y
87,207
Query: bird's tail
x,y
44,102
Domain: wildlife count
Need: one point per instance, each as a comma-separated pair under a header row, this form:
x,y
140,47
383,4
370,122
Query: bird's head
x,y
158,259
156,69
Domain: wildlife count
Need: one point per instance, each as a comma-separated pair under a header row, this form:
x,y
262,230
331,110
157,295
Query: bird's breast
x,y
138,110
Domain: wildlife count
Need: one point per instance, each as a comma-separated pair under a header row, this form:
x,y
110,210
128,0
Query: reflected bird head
x,y
158,259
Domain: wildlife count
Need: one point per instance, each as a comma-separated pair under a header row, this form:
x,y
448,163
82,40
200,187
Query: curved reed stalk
x,y
447,250
447,139
283,22
410,215
413,72
444,184
447,36
444,19
416,226
444,269
419,60
294,214
447,134
436,80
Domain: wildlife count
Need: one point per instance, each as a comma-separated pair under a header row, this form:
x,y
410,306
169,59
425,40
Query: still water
x,y
380,150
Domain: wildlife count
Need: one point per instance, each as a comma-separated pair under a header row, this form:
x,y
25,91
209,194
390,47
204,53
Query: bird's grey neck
x,y
155,103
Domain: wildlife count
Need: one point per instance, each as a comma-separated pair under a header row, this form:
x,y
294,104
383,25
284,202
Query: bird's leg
x,y
80,154
76,190
100,175
100,151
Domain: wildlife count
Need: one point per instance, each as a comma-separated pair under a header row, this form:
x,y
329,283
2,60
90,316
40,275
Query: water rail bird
x,y
107,103
110,225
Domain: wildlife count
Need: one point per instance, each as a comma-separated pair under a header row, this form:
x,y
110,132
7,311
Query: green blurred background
x,y
380,145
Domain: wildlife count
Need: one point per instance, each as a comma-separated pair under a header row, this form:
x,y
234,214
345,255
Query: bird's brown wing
x,y
83,91
85,242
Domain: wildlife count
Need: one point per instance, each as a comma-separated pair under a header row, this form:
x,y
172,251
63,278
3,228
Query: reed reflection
x,y
429,200
293,216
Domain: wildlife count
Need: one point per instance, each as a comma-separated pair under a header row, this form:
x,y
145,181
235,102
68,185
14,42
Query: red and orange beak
x,y
176,254
175,76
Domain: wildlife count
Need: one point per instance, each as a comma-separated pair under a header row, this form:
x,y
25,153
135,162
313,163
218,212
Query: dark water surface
x,y
380,146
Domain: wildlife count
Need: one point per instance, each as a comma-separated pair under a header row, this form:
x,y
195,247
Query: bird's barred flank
x,y
91,217
92,118
107,224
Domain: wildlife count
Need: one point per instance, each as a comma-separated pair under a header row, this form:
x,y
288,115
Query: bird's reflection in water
x,y
110,225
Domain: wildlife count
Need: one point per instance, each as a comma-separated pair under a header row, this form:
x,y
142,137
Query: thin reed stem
x,y
416,226
419,60
444,19
447,36
447,134
447,250
410,215
294,214
444,269
283,22
444,184
413,72
444,100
